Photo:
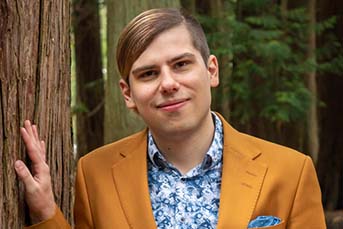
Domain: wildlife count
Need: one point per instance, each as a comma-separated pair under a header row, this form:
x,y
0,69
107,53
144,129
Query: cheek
x,y
199,83
142,97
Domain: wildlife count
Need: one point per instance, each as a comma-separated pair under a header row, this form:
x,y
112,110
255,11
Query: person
x,y
189,168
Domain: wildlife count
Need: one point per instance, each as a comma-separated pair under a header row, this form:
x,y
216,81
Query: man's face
x,y
170,84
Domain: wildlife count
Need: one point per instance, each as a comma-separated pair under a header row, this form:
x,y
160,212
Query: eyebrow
x,y
143,68
183,55
149,67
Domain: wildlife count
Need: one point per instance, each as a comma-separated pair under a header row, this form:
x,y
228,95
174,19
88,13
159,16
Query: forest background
x,y
281,72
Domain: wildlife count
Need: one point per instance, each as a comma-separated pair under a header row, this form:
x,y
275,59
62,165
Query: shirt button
x,y
183,179
167,170
183,219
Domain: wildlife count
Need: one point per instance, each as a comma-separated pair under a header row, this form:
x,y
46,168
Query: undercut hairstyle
x,y
144,28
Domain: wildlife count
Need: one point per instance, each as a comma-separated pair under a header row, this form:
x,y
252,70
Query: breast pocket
x,y
281,225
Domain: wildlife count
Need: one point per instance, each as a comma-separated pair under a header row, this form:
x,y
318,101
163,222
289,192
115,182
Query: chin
x,y
180,129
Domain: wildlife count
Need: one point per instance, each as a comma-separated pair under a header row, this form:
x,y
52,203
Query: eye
x,y
182,64
148,74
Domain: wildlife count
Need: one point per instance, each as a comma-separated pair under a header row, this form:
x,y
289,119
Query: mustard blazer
x,y
258,178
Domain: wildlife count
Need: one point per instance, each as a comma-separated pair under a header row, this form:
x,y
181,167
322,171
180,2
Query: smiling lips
x,y
173,105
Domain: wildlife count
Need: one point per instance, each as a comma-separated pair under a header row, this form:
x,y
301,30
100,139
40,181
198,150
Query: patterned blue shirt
x,y
190,200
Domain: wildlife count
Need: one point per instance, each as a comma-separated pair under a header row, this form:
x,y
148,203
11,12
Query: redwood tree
x,y
89,79
35,85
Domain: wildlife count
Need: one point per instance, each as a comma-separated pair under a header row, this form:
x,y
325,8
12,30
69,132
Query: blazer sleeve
x,y
56,222
82,212
307,210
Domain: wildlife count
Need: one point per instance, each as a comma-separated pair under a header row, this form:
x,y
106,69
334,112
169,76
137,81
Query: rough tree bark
x,y
35,85
120,122
89,79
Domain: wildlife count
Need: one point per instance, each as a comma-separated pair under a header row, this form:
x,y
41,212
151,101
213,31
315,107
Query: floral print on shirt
x,y
190,200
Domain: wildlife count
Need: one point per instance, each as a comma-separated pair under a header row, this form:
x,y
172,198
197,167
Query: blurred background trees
x,y
89,82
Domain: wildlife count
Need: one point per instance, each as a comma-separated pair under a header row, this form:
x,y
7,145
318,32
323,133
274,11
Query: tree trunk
x,y
89,79
35,85
120,122
313,135
190,5
221,94
330,166
284,9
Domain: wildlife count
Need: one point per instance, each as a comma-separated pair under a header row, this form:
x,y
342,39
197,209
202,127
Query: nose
x,y
168,83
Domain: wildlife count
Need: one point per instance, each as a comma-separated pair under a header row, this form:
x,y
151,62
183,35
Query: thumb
x,y
24,173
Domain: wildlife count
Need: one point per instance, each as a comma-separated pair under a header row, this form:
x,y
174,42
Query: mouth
x,y
172,105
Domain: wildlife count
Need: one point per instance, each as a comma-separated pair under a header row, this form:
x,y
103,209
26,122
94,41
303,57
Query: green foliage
x,y
79,108
325,25
330,54
93,84
268,75
267,78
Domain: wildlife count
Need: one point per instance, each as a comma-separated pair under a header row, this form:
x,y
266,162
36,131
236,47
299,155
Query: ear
x,y
213,70
126,92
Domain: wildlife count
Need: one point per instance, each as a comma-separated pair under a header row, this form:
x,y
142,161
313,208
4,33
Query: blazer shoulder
x,y
115,151
275,149
276,155
257,148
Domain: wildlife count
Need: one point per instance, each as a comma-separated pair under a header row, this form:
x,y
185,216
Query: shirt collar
x,y
213,155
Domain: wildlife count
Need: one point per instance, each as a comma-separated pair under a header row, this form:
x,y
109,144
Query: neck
x,y
187,149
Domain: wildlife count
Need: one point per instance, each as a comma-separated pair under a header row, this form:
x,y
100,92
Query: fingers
x,y
31,129
38,193
35,148
43,152
38,189
40,143
31,147
35,132
24,174
28,127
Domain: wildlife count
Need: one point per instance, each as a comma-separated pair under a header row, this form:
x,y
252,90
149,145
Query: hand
x,y
38,189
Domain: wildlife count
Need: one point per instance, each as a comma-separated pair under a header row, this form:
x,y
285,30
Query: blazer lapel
x,y
242,180
130,177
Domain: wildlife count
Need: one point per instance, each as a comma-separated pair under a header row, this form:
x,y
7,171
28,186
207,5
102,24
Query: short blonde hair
x,y
143,29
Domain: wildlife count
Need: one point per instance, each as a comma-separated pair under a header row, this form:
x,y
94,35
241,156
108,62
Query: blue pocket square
x,y
264,221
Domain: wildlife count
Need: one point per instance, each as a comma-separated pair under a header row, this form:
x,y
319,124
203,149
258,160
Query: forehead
x,y
167,45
